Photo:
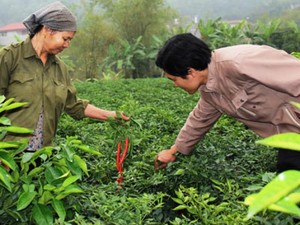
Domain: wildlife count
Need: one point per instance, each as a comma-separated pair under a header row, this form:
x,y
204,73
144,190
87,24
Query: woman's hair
x,y
182,52
55,16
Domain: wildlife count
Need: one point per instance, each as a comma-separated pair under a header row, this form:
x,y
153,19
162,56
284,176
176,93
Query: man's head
x,y
183,52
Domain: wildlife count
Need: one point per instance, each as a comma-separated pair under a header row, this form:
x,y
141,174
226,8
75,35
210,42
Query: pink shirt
x,y
251,83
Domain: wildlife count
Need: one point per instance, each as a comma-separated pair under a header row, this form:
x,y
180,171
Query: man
x,y
254,84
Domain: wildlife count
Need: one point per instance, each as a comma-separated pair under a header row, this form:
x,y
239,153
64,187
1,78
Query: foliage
x,y
135,18
123,38
126,59
89,47
35,185
227,165
218,33
282,193
296,54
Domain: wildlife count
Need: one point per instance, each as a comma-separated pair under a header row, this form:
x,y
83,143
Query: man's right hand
x,y
164,157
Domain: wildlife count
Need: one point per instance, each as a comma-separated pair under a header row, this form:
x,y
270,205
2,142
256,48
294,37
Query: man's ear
x,y
192,71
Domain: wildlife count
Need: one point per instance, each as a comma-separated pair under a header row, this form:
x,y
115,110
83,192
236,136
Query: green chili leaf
x,y
5,178
7,145
42,215
5,121
25,199
279,187
59,209
18,130
285,140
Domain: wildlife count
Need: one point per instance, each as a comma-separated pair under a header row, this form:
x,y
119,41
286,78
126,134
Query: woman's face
x,y
57,41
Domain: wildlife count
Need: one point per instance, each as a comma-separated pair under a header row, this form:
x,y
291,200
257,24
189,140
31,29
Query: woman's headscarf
x,y
55,16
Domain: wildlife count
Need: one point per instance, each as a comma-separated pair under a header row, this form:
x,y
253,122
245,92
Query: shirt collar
x,y
211,83
30,52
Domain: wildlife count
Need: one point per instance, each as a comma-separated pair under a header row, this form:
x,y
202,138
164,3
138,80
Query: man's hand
x,y
164,157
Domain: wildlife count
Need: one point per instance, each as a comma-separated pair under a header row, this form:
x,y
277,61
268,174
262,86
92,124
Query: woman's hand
x,y
123,116
164,157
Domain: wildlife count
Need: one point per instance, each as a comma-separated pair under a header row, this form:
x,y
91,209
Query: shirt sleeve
x,y
75,106
198,123
273,68
5,64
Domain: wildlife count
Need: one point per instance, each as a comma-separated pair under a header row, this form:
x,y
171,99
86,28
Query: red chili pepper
x,y
120,159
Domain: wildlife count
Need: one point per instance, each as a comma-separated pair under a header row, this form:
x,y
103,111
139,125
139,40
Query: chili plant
x,y
36,185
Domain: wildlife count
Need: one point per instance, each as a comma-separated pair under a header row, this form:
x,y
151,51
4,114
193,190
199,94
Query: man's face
x,y
186,83
190,83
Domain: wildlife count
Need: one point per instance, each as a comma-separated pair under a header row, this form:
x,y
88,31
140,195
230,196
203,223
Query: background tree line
x,y
120,38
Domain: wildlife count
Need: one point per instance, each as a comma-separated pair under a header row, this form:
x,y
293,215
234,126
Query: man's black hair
x,y
181,52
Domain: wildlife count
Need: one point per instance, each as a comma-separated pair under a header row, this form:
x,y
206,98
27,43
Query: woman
x,y
31,72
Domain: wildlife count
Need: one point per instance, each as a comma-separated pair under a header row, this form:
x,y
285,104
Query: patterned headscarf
x,y
55,16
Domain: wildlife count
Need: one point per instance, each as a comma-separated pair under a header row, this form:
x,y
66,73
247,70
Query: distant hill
x,y
232,9
17,10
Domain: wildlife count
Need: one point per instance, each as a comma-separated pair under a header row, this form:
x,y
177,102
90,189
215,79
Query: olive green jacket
x,y
24,77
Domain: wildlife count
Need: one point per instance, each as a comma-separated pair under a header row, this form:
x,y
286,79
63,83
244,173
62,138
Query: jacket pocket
x,y
239,101
292,115
21,87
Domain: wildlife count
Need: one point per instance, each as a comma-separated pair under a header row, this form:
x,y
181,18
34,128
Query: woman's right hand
x,y
164,157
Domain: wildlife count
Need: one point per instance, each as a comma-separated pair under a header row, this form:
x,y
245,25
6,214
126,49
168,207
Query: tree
x,y
91,42
135,18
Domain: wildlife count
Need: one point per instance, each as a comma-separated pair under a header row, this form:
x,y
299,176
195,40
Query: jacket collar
x,y
211,84
30,52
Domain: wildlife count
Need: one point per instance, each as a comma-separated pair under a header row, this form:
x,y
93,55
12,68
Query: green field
x,y
207,187
76,183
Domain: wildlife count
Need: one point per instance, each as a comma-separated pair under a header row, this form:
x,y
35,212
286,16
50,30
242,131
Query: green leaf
x,y
81,163
279,187
68,153
59,209
13,106
74,168
46,197
28,187
180,207
70,180
88,149
25,199
36,171
294,197
49,187
285,205
52,174
179,172
72,189
177,200
17,130
2,98
42,215
4,145
5,121
5,178
285,140
7,102
8,160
